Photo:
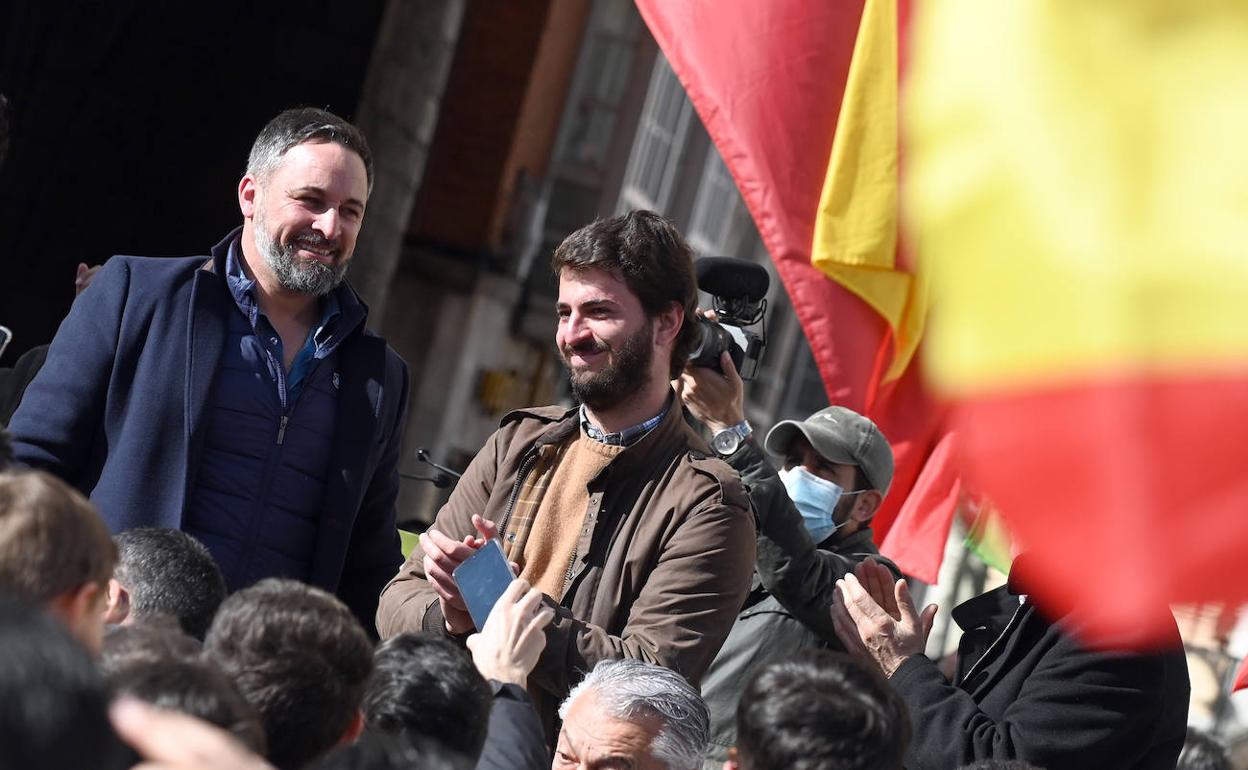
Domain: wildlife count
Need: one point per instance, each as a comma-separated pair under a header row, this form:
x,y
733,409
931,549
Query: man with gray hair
x,y
238,396
628,713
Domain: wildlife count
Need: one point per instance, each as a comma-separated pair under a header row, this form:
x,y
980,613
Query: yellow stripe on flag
x,y
1078,175
855,240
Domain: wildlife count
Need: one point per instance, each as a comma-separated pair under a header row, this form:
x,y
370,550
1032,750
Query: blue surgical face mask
x,y
815,499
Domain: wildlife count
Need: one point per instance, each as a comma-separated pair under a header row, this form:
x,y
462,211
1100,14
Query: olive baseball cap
x,y
842,436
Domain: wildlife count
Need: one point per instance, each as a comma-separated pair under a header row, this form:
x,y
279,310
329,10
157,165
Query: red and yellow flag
x,y
812,143
1078,180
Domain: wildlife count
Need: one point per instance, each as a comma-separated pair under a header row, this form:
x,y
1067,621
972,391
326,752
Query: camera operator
x,y
814,520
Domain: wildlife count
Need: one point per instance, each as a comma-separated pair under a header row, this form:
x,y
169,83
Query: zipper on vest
x,y
281,429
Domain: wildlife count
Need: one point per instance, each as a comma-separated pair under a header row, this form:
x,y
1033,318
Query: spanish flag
x,y
801,100
1077,179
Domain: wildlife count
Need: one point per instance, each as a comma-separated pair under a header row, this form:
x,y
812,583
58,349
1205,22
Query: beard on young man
x,y
624,373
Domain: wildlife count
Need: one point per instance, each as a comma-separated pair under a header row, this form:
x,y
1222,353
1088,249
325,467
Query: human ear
x,y
81,609
118,607
668,324
248,190
868,503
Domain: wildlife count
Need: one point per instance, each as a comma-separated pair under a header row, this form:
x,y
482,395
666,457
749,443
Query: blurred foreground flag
x,y
1240,680
770,81
1078,188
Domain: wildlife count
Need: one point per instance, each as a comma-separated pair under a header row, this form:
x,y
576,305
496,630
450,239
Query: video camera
x,y
740,290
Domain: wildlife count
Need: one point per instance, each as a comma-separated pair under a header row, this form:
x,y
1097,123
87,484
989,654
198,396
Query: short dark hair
x,y
151,640
52,541
299,125
381,751
168,572
54,714
194,687
647,253
821,709
1202,751
427,686
300,657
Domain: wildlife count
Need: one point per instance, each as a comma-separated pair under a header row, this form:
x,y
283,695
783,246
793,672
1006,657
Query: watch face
x,y
726,442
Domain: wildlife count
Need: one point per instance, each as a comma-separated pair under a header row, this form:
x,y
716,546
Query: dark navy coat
x,y
118,411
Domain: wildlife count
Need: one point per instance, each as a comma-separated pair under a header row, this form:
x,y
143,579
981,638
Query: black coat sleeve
x,y
1075,709
515,739
55,425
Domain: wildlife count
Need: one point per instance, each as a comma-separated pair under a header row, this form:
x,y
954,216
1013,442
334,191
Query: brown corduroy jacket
x,y
663,562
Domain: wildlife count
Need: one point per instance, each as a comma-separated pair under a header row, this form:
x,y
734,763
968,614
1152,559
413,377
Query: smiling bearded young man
x,y
642,543
238,396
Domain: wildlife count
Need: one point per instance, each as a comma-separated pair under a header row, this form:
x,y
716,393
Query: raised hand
x,y
514,636
170,741
877,580
715,399
866,628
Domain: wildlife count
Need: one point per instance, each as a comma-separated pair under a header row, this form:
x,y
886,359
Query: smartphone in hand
x,y
481,579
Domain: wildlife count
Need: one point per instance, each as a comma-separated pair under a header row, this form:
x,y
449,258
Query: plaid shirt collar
x,y
628,436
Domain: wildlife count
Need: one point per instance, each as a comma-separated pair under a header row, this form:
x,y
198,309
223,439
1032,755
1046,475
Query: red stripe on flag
x,y
1241,676
767,80
1123,491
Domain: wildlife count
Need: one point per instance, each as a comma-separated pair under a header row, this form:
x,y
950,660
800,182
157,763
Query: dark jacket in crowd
x,y
119,410
1026,689
662,565
797,616
515,740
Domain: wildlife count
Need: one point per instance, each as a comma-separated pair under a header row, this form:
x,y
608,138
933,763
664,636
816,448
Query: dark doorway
x,y
131,122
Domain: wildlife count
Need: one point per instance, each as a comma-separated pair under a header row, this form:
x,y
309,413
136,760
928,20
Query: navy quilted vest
x,y
258,492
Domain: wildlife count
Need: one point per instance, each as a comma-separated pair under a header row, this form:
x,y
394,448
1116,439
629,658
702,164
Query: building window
x,y
602,78
660,140
717,210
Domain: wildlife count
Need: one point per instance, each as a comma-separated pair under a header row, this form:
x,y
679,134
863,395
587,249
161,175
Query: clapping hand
x,y
867,625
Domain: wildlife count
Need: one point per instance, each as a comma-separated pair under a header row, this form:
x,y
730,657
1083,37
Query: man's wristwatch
x,y
729,439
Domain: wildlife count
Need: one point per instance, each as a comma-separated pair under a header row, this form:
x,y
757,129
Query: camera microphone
x,y
739,288
729,277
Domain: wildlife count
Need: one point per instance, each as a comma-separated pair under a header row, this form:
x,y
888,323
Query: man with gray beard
x,y
238,396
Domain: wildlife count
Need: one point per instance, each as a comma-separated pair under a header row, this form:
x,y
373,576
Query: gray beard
x,y
295,274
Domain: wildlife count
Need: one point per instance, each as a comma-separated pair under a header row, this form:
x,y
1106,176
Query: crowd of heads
x,y
282,666
289,672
